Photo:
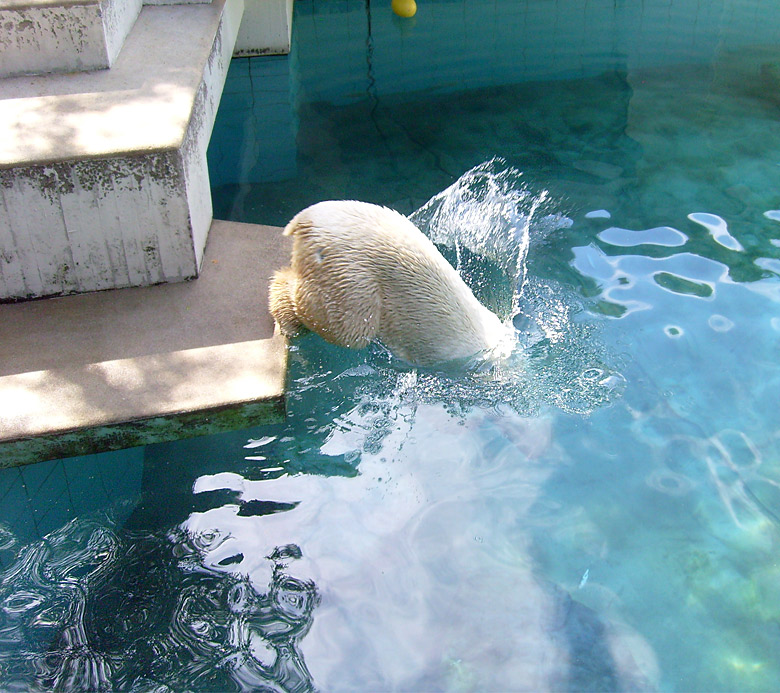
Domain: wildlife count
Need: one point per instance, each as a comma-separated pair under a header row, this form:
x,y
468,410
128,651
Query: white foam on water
x,y
259,442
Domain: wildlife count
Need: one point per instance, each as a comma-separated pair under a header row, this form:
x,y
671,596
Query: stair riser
x,y
68,38
90,225
52,39
118,19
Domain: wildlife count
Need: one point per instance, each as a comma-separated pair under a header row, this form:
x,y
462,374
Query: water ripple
x,y
91,608
661,235
718,230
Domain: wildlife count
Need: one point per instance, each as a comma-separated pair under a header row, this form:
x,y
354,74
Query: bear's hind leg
x,y
281,302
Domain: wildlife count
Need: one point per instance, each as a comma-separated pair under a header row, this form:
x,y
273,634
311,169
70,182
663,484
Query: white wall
x,y
265,28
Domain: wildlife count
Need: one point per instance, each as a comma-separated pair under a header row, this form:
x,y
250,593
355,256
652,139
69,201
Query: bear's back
x,y
368,273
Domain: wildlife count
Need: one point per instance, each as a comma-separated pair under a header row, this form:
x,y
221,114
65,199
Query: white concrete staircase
x,y
103,176
104,185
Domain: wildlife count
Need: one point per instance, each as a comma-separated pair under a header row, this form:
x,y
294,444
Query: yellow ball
x,y
404,8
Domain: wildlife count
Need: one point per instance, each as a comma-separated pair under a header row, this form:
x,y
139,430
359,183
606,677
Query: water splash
x,y
490,215
490,226
491,222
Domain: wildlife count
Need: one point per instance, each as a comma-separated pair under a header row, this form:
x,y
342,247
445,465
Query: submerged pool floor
x,y
600,513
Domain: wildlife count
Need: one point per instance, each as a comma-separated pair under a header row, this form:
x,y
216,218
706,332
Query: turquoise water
x,y
600,512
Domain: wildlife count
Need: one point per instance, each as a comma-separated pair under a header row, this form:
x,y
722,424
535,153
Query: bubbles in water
x,y
7,539
669,482
720,323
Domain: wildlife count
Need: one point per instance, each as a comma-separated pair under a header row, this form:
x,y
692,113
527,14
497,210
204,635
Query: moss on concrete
x,y
141,432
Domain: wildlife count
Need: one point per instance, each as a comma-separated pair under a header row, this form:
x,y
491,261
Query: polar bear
x,y
363,273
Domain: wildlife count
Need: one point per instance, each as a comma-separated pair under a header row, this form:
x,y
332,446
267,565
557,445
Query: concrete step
x,y
39,36
114,369
63,35
103,174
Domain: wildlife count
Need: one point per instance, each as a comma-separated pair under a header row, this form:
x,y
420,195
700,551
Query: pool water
x,y
601,511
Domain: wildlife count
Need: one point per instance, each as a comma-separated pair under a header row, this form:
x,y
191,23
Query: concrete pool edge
x,y
95,372
129,434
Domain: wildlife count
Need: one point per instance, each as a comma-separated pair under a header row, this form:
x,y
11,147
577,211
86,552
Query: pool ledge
x,y
113,369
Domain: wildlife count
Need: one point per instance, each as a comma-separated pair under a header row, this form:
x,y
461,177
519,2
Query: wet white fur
x,y
361,272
